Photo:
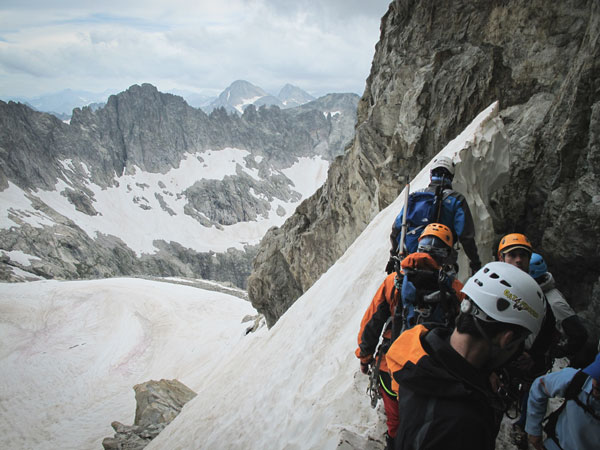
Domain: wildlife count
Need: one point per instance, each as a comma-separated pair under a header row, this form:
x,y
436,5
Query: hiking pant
x,y
390,404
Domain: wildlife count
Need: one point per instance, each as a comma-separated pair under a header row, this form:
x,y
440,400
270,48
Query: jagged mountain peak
x,y
291,96
242,93
243,87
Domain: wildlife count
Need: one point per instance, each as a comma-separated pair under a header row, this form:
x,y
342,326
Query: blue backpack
x,y
421,211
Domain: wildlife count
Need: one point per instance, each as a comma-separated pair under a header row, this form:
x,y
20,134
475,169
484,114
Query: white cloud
x,y
188,45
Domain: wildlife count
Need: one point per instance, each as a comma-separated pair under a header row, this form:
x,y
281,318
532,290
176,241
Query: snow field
x,y
120,215
71,353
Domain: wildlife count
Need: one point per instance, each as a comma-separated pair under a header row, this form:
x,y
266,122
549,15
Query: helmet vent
x,y
479,283
502,304
505,283
495,276
486,270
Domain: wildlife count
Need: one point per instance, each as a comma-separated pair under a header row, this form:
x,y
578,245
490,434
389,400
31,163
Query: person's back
x,y
454,212
430,290
444,402
577,425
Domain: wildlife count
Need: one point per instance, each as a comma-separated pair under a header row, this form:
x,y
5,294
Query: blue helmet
x,y
537,266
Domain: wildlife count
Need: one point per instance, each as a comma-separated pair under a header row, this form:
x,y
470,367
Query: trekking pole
x,y
439,195
404,226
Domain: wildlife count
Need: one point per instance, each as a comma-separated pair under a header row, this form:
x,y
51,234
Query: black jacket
x,y
444,402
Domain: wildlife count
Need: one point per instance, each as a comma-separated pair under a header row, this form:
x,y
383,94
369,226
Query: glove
x,y
364,368
475,266
391,265
364,365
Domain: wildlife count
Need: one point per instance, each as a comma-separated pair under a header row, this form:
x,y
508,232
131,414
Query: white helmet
x,y
443,162
506,294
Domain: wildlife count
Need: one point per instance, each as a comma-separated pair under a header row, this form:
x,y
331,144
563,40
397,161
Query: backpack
x,y
421,210
426,296
571,393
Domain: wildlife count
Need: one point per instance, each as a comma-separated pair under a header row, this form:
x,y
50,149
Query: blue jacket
x,y
456,215
575,429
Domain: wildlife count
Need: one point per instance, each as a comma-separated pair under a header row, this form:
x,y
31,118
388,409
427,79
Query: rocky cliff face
x,y
438,64
142,132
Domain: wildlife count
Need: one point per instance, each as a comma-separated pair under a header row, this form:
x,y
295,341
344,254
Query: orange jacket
x,y
407,348
382,307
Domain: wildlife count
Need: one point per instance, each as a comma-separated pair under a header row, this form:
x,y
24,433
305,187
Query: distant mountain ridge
x,y
63,102
234,99
242,93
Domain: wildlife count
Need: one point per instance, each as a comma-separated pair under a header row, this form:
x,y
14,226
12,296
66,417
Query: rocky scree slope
x,y
436,66
145,130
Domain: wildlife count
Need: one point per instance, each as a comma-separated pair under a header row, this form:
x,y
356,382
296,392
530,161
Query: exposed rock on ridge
x,y
158,403
438,64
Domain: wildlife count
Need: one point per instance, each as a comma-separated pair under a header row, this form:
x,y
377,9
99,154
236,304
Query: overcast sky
x,y
196,45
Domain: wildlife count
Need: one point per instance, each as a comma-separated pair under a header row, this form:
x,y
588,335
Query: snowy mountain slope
x,y
297,386
147,207
71,353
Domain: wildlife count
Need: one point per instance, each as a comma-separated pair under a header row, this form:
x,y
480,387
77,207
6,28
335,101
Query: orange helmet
x,y
513,241
438,230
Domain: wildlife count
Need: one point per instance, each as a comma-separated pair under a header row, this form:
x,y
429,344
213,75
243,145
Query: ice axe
x,y
401,250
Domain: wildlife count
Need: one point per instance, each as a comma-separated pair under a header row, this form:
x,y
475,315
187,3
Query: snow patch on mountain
x,y
308,174
245,102
20,257
144,207
16,209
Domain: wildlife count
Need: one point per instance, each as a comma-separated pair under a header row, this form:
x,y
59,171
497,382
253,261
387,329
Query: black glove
x,y
475,266
391,265
364,366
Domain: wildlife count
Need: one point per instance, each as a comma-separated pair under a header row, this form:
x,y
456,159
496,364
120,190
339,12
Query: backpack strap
x,y
397,314
571,393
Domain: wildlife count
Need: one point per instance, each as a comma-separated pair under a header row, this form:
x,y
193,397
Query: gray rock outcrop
x,y
436,66
158,403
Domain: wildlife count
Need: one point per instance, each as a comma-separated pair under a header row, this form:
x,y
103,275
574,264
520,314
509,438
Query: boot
x,y
389,442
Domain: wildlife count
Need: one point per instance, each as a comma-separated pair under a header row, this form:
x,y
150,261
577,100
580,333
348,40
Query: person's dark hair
x,y
465,323
441,171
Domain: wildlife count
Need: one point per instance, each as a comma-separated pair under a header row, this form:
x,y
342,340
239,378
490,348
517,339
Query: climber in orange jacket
x,y
394,304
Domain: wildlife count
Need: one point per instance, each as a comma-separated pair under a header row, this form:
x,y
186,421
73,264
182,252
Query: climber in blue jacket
x,y
578,424
455,214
